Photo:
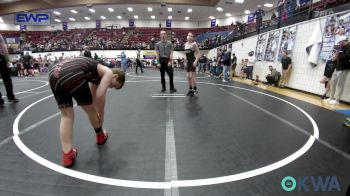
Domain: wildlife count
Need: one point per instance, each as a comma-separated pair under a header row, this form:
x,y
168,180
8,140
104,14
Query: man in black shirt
x,y
5,73
286,68
233,65
259,13
138,61
202,63
227,64
27,64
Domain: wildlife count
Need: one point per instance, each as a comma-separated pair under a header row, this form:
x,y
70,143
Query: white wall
x,y
304,77
7,27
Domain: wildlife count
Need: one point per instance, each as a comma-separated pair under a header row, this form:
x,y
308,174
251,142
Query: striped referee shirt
x,y
164,49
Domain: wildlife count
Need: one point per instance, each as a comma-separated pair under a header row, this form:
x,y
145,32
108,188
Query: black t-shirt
x,y
329,69
344,58
286,62
203,59
27,59
234,60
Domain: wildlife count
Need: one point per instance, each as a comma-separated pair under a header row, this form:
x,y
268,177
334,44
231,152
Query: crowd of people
x,y
285,9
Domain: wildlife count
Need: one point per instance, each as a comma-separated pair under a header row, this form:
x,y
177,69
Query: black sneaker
x,y
195,92
2,103
189,93
14,100
173,90
163,90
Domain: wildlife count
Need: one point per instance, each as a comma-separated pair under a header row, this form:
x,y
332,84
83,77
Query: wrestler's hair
x,y
121,76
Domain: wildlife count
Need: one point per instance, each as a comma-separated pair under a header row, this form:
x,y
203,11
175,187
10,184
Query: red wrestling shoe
x,y
102,137
69,158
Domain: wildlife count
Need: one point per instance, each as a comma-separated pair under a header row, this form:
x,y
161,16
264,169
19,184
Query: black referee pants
x,y
6,78
169,70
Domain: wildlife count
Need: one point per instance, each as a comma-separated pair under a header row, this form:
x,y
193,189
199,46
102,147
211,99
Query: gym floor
x,y
231,139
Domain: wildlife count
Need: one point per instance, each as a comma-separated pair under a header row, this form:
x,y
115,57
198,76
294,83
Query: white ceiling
x,y
199,13
7,1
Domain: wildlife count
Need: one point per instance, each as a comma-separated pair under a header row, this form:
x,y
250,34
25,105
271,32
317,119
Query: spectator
x,y
273,77
227,65
124,61
342,71
202,63
87,53
27,61
138,61
259,13
233,65
286,68
244,68
213,67
328,72
250,65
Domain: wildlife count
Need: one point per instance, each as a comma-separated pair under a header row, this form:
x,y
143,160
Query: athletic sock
x,y
98,130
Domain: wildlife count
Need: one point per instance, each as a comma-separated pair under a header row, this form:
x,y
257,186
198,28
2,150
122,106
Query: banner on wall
x,y
168,23
272,46
336,26
36,19
250,18
131,23
149,54
22,27
261,46
98,24
65,26
12,40
287,41
213,23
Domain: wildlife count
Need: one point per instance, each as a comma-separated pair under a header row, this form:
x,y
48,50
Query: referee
x,y
164,50
5,73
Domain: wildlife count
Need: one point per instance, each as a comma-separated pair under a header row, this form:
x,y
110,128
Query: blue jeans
x,y
213,70
218,70
225,72
1,100
124,66
250,72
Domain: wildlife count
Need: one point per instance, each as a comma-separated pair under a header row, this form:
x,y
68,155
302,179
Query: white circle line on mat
x,y
171,184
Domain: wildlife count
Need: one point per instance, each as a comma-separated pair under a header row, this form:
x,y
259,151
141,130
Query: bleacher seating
x,y
145,37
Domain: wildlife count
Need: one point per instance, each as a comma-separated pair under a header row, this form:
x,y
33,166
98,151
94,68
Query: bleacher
x,y
36,37
75,39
